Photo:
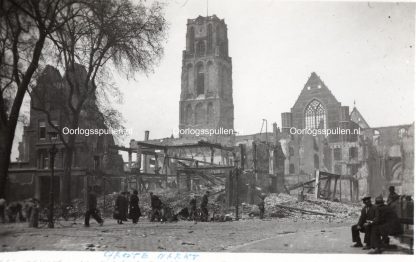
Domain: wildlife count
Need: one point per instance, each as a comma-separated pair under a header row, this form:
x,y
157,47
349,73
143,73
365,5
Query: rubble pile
x,y
334,210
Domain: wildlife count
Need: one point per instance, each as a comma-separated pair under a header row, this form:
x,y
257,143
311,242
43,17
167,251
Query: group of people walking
x,y
127,206
377,222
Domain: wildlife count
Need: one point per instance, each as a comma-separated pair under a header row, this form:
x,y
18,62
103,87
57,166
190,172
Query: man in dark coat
x,y
92,209
134,207
367,214
192,203
385,223
204,207
393,196
261,206
121,208
156,205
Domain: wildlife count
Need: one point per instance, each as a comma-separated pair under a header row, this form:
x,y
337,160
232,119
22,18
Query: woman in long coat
x,y
120,208
134,207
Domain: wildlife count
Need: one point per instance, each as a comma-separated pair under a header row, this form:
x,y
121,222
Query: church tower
x,y
206,93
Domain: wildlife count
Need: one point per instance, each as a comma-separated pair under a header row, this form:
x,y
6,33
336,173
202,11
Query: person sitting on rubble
x,y
204,207
367,214
261,206
192,203
156,205
385,223
393,200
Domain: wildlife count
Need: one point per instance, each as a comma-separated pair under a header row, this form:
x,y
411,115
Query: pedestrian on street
x,y
368,213
385,223
204,207
156,205
3,204
192,203
92,208
32,212
14,211
261,206
134,207
121,208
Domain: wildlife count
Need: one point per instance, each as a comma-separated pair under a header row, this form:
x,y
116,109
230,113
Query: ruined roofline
x,y
381,127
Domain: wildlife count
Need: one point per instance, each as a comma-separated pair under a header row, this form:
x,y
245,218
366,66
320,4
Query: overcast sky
x,y
362,51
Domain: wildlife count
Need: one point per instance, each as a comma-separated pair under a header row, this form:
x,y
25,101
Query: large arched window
x,y
315,115
200,79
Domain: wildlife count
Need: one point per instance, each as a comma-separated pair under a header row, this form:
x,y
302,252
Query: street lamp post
x,y
52,152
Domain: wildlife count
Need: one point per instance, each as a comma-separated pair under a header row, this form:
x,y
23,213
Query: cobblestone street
x,y
274,236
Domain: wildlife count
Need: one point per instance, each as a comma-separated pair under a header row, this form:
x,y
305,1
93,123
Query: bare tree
x,y
104,35
24,28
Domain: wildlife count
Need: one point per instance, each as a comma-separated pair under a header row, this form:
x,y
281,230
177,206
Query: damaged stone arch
x,y
315,112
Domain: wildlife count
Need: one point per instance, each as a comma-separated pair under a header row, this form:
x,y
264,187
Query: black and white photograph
x,y
170,130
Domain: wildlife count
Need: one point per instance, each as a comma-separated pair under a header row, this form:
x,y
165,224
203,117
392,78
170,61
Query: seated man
x,y
385,223
367,214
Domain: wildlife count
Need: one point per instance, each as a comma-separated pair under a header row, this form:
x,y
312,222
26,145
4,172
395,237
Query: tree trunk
x,y
7,130
6,143
67,197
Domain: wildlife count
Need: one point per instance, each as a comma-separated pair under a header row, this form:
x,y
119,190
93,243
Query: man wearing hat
x,y
367,214
385,223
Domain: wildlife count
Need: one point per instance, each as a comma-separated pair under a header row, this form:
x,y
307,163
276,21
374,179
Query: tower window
x,y
191,39
315,115
200,83
200,48
209,38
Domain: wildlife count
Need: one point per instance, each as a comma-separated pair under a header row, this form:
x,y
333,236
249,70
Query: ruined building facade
x,y
206,88
369,160
30,176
